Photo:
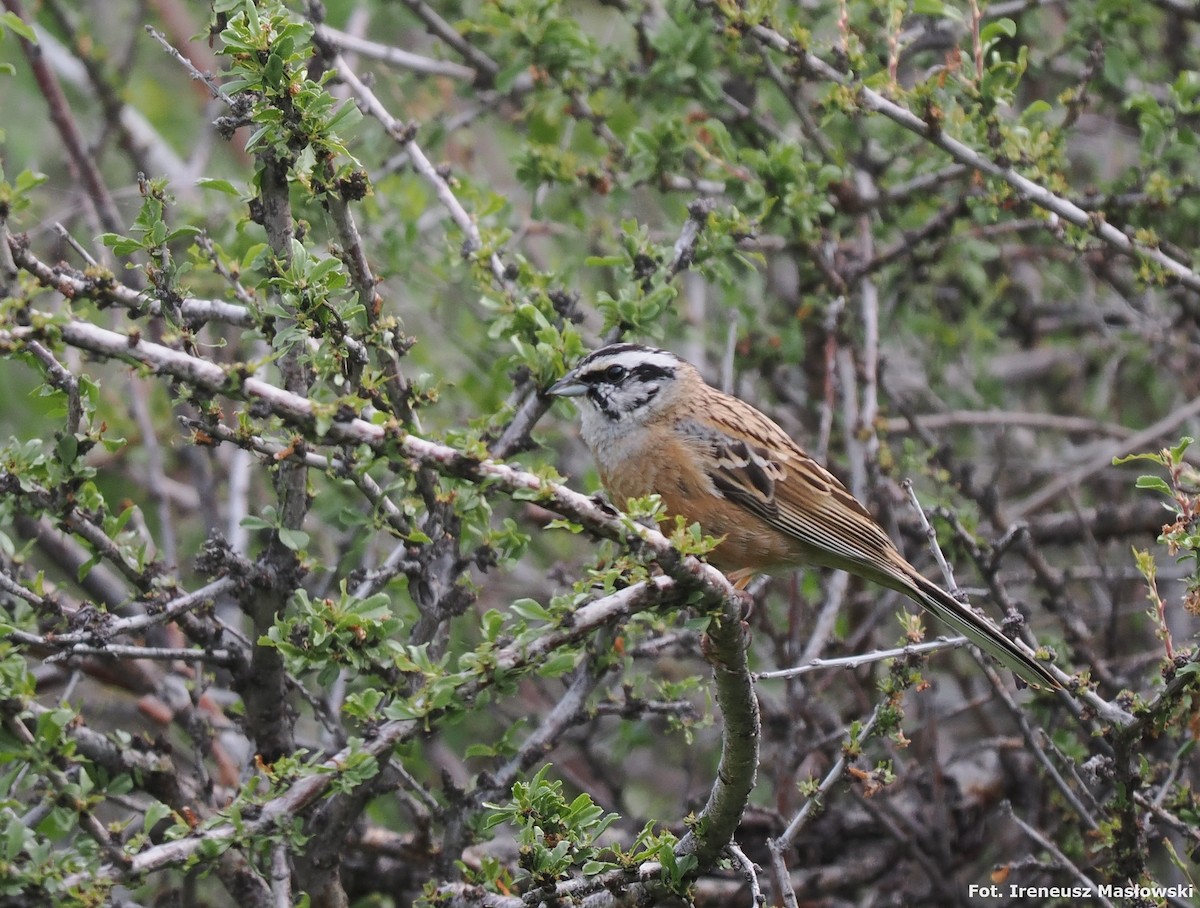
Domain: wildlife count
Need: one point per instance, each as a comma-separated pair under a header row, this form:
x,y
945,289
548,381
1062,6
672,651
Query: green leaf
x,y
121,245
530,610
67,449
1157,483
156,812
273,72
20,26
293,539
591,868
218,186
30,179
185,230
1130,458
86,568
996,28
348,114
558,664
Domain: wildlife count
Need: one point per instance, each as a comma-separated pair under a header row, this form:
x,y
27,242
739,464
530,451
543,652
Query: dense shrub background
x,y
297,606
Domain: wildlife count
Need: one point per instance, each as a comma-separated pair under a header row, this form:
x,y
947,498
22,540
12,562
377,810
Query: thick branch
x,y
738,769
299,411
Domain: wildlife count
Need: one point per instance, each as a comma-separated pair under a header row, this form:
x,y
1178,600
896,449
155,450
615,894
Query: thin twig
x,y
447,33
749,871
1001,419
217,657
1063,861
66,237
394,56
778,847
900,652
406,136
206,79
1071,477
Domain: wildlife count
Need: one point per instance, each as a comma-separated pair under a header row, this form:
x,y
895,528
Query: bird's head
x,y
625,383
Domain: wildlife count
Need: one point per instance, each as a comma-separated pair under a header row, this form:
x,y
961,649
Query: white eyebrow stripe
x,y
631,359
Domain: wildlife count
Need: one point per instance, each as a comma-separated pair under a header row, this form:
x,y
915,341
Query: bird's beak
x,y
568,386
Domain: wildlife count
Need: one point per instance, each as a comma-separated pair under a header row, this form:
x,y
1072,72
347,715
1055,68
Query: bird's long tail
x,y
980,631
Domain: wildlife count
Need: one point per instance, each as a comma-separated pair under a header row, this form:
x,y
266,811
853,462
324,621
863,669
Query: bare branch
x,y
900,652
394,56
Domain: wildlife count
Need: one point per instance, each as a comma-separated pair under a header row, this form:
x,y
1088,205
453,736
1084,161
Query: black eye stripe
x,y
643,372
650,372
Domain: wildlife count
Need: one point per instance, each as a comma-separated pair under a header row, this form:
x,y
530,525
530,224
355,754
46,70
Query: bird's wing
x,y
755,464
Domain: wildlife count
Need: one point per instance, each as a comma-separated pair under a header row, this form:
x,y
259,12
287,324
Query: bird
x,y
654,426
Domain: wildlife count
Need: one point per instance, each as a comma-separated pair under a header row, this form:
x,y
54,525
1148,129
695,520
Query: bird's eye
x,y
615,373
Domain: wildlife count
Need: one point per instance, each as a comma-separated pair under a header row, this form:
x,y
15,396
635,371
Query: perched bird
x,y
654,426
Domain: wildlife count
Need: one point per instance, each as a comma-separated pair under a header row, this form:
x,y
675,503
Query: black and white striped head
x,y
622,382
